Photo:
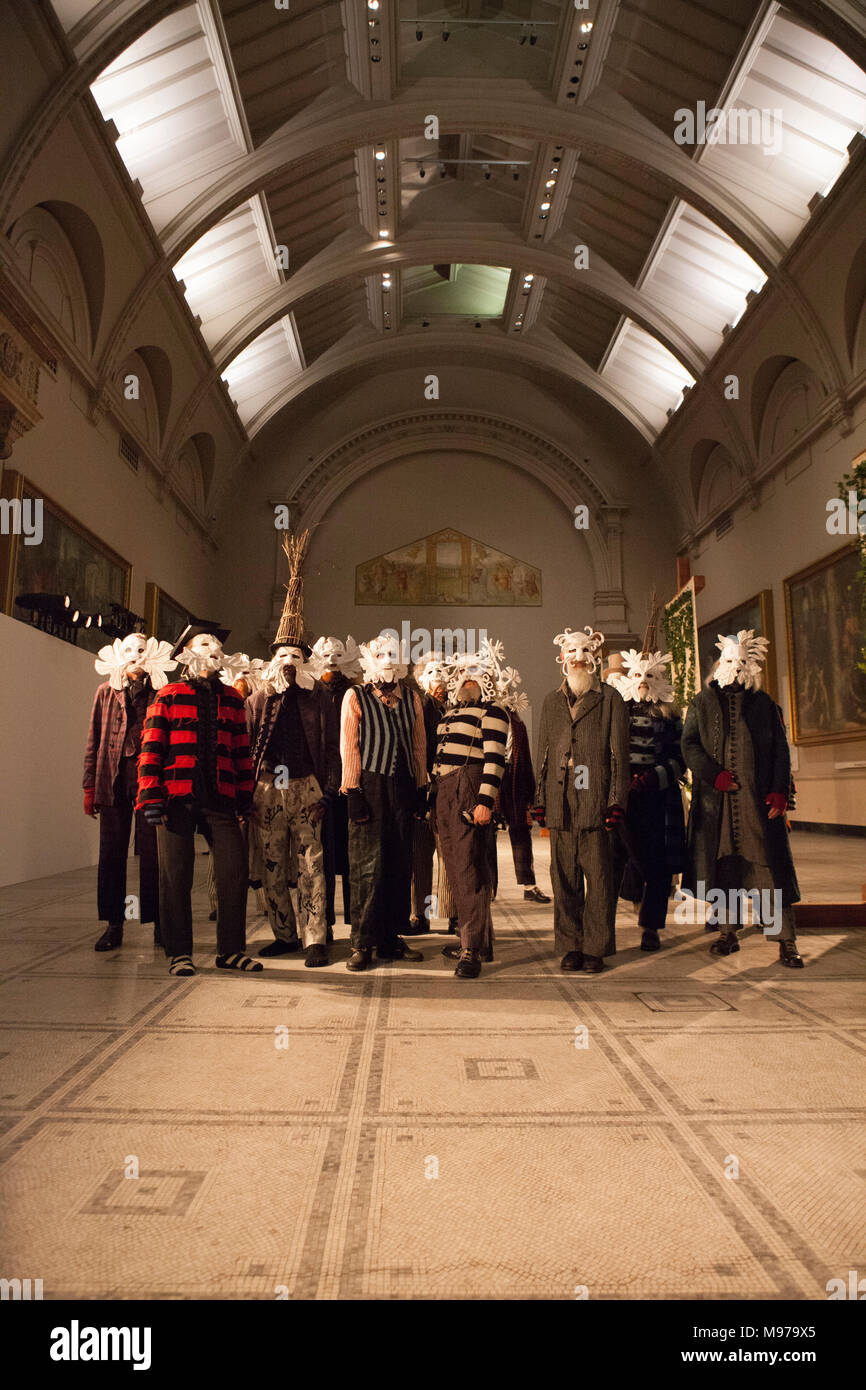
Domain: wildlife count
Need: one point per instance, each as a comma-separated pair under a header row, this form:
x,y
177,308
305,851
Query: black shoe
x,y
416,927
360,958
110,939
592,965
572,961
468,965
280,948
452,924
650,940
726,945
212,915
454,953
396,949
317,955
789,955
535,895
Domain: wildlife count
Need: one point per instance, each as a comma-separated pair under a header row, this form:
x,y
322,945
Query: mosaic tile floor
x,y
679,1127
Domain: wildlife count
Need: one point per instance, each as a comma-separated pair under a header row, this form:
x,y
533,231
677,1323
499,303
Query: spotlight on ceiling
x,y
380,154
422,172
586,27
446,34
419,34
384,233
375,58
533,38
514,174
372,4
485,169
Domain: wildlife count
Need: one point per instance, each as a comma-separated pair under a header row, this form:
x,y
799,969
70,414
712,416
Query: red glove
x,y
725,782
89,794
777,801
537,815
613,816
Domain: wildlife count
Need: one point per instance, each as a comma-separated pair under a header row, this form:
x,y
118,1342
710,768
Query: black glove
x,y
359,809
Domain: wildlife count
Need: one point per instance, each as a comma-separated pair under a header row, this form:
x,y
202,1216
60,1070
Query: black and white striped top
x,y
383,730
473,734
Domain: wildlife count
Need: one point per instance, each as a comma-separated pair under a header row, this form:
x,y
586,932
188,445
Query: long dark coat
x,y
703,749
105,739
319,722
517,788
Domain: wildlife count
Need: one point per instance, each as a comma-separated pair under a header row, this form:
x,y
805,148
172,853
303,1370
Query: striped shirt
x,y
171,761
474,734
350,734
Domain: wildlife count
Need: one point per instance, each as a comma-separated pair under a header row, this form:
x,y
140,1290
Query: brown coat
x,y
105,739
319,722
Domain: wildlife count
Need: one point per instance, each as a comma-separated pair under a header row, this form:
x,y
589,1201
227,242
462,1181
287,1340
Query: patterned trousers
x,y
285,823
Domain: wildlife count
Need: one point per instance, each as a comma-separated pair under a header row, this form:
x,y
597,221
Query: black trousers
x,y
335,846
649,881
380,859
176,843
521,851
115,823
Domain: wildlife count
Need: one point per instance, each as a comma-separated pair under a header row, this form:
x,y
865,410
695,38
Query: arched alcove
x,y
792,403
50,264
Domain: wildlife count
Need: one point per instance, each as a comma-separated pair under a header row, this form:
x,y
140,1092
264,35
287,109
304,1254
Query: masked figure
x,y
583,779
649,848
384,758
246,675
337,666
195,768
737,840
136,667
470,758
431,674
517,789
296,772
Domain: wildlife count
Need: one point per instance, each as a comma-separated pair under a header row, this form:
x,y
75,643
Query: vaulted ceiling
x,y
326,175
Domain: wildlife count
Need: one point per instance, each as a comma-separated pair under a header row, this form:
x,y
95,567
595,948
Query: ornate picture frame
x,y
754,613
164,617
680,629
824,626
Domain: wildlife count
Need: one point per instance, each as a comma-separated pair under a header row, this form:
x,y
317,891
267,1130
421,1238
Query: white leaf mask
x,y
579,646
330,654
647,669
203,655
282,659
380,660
741,658
138,652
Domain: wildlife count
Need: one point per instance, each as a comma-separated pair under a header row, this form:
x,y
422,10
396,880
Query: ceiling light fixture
x,y
485,169
380,154
422,172
533,38
372,4
544,207
419,34
446,34
586,27
383,233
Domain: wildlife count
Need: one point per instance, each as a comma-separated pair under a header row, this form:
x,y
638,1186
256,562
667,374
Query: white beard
x,y
579,682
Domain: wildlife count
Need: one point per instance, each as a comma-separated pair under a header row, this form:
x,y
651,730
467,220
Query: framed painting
x,y
825,630
165,618
450,568
67,581
756,614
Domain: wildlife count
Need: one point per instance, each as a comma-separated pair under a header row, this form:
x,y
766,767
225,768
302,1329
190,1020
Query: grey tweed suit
x,y
591,732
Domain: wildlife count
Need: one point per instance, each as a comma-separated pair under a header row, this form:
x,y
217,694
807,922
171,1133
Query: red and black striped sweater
x,y
170,750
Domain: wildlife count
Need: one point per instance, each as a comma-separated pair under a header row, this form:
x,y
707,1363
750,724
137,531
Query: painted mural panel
x,y
448,568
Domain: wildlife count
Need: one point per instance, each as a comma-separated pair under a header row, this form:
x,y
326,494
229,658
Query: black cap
x,y
195,629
